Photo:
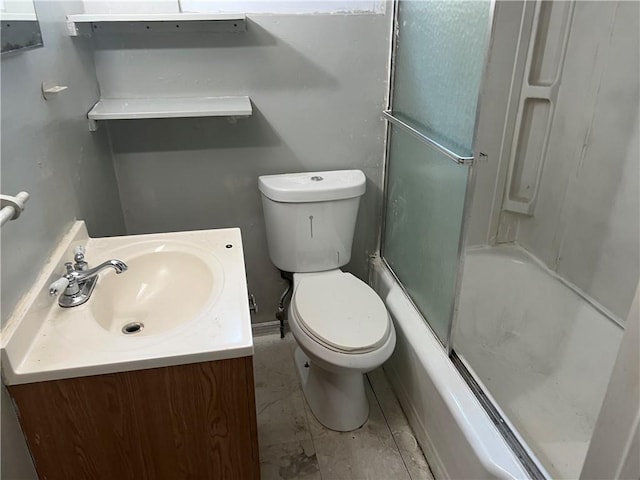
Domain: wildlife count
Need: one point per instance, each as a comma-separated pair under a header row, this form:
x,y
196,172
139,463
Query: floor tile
x,y
357,455
369,452
289,461
279,399
403,434
294,445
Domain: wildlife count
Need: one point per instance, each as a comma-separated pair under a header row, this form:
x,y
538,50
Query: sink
x,y
182,300
166,285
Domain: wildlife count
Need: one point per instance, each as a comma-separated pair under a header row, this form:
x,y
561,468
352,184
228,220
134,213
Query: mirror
x,y
19,27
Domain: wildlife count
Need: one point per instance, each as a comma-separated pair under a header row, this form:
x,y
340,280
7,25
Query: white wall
x,y
131,6
17,6
614,451
585,223
282,6
234,6
318,84
48,151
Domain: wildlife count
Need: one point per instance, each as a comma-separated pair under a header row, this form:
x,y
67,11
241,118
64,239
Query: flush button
x,y
316,178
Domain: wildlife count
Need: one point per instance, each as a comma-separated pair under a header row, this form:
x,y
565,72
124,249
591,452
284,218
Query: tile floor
x,y
294,445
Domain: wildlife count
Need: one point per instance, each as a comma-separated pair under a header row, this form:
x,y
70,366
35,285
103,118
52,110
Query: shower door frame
x,y
521,451
471,174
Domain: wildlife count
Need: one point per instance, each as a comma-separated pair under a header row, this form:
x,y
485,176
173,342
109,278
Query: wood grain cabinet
x,y
194,421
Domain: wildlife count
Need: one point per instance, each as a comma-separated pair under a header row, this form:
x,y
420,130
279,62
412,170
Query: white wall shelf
x,y
86,23
18,17
138,108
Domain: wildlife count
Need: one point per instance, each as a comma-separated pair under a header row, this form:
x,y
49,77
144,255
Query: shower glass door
x,y
439,57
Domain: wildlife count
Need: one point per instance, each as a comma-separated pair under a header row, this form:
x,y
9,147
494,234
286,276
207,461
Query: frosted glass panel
x,y
426,192
438,67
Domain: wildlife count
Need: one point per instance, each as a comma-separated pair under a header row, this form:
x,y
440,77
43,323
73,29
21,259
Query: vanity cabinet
x,y
195,421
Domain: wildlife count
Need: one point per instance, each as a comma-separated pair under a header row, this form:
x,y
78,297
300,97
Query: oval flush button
x,y
316,178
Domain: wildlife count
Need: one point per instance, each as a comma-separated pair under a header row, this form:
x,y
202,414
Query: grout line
x,y
284,343
406,421
393,437
305,408
313,442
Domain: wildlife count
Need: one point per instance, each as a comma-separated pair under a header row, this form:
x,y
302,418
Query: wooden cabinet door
x,y
195,421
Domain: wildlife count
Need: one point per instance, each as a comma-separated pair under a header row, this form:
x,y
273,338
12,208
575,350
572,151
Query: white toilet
x,y
341,326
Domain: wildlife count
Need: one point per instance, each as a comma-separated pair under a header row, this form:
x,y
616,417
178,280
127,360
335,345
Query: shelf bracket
x,y
72,28
77,29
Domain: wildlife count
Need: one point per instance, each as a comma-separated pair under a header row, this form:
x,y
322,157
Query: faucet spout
x,y
78,283
118,265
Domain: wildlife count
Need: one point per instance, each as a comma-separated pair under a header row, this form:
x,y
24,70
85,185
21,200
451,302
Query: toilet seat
x,y
341,312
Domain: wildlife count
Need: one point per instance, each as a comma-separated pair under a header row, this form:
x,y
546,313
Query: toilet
x,y
340,324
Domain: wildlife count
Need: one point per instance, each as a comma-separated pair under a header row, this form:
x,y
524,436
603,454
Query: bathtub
x,y
456,434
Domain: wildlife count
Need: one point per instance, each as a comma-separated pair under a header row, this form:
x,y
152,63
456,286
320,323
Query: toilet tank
x,y
310,218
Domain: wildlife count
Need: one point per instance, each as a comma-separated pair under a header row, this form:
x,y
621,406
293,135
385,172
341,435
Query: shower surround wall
x,y
585,222
48,151
528,339
318,84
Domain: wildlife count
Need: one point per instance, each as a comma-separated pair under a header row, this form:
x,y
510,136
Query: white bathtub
x,y
456,435
543,349
515,319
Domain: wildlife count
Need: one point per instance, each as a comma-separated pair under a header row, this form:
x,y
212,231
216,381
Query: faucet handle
x,y
78,257
69,267
78,253
58,286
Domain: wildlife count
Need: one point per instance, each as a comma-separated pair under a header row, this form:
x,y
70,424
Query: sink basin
x,y
162,289
183,299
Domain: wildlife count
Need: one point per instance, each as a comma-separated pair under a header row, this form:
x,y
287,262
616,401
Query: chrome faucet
x,y
83,275
78,283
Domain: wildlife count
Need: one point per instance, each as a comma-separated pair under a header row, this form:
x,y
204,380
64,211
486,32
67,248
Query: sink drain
x,y
132,327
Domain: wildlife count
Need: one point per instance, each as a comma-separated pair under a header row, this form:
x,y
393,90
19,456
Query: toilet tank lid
x,y
313,186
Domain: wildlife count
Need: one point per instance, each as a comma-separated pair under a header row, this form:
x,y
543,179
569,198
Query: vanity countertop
x,y
43,341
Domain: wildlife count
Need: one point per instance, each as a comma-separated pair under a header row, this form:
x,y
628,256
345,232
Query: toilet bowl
x,y
343,330
341,326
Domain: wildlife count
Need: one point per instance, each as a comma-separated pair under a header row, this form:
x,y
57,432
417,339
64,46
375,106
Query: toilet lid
x,y
342,312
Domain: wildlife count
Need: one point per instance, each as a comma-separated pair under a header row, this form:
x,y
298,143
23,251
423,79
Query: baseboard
x,y
267,328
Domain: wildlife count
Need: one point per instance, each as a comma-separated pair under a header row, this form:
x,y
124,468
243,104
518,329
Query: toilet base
x,y
337,400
